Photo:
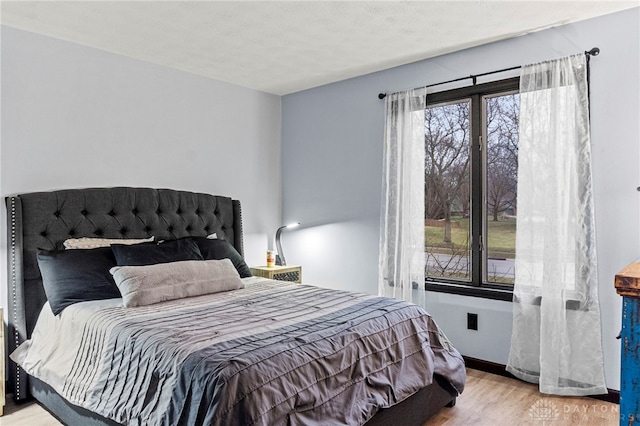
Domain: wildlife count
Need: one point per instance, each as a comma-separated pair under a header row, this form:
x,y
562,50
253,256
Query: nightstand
x,y
282,273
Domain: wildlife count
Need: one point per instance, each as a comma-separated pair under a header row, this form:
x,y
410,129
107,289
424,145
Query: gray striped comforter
x,y
269,354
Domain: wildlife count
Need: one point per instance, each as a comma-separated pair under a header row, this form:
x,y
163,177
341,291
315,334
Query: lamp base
x,y
278,260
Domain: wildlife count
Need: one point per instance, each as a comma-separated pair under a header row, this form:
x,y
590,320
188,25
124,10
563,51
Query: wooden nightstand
x,y
282,273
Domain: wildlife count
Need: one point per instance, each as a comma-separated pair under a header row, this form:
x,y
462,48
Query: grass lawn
x,y
501,244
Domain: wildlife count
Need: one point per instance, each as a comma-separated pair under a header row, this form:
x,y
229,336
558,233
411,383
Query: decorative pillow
x,y
222,249
72,276
89,243
146,285
152,253
213,236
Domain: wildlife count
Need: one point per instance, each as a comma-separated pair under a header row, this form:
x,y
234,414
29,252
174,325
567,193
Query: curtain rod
x,y
593,52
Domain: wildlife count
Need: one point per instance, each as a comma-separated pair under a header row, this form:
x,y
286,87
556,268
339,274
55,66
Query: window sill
x,y
467,290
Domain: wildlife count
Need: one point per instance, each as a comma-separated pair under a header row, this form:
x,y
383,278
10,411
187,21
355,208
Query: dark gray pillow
x,y
72,276
214,249
154,253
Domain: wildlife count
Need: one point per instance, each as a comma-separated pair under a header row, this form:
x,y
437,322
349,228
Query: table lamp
x,y
280,260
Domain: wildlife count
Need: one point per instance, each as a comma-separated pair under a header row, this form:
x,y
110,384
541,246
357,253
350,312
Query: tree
x,y
502,153
446,162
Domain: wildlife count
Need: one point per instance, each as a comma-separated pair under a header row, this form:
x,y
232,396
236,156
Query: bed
x,y
428,379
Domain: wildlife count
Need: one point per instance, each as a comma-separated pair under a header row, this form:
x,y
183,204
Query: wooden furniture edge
x,y
627,281
2,366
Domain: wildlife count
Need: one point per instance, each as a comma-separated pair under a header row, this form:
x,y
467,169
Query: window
x,y
471,166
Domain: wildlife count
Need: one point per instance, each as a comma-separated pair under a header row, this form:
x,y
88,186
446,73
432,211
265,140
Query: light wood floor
x,y
488,400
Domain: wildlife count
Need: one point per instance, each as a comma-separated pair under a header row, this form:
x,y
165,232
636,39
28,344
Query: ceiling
x,y
287,46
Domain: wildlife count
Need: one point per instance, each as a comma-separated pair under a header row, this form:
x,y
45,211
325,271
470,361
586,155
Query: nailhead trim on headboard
x,y
14,296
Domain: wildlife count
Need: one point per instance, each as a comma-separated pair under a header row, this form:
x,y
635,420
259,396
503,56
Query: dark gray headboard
x,y
45,219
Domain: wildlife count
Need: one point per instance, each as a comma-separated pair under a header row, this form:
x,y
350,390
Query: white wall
x,y
332,161
75,117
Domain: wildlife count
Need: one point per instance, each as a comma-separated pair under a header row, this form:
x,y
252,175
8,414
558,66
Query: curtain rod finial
x,y
382,95
594,52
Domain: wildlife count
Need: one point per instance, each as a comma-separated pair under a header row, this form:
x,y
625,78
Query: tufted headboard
x,y
45,219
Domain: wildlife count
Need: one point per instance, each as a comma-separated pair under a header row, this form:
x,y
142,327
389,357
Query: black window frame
x,y
476,287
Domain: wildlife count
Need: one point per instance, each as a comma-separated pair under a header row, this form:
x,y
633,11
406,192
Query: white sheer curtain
x,y
402,256
556,338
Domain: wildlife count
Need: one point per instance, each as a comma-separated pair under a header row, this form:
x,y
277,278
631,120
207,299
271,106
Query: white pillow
x,y
213,236
149,284
90,243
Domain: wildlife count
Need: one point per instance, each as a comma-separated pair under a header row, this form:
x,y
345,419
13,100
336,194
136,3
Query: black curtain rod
x,y
593,52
